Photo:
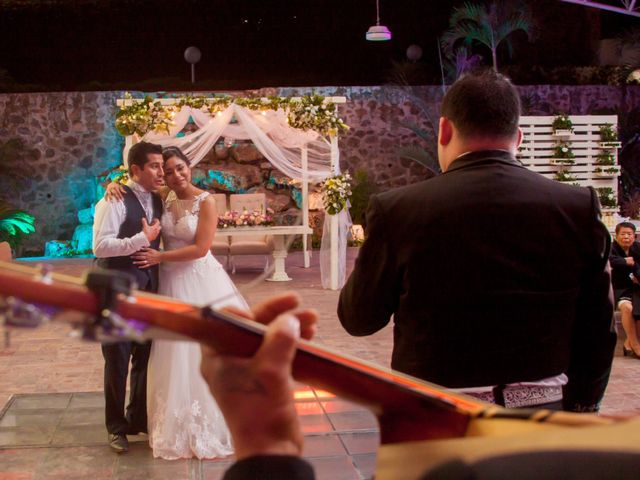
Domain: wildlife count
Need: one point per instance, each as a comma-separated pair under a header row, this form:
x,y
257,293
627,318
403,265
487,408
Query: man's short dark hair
x,y
622,225
138,154
483,103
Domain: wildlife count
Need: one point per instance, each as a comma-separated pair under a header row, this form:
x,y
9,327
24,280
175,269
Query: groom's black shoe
x,y
118,442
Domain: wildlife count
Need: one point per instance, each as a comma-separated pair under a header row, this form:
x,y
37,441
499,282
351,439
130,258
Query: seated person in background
x,y
256,397
625,261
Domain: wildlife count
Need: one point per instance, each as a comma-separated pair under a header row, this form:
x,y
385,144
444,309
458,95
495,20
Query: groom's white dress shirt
x,y
108,218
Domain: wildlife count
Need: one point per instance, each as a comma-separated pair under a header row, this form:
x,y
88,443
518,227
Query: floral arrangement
x,y
563,152
310,112
564,176
143,116
607,133
336,192
562,122
607,197
247,218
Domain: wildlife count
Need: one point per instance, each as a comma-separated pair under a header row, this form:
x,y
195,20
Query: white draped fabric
x,y
279,143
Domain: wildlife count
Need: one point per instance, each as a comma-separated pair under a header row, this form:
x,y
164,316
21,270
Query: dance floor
x,y
51,426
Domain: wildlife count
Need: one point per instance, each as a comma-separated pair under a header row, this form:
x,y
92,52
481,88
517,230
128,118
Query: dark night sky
x,y
64,44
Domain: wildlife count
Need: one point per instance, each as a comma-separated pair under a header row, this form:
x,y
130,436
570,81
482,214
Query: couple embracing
x,y
168,399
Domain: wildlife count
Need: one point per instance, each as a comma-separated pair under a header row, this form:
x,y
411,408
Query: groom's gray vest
x,y
147,279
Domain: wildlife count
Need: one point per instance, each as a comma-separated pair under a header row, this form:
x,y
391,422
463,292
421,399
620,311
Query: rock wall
x,y
70,139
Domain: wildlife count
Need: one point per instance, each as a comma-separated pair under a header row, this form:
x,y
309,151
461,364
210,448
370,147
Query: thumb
x,y
145,223
274,358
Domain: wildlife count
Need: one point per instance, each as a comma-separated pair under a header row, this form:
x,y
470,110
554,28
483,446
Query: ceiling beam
x,y
628,8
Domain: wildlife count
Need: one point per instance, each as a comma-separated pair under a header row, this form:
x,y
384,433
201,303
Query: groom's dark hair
x,y
138,154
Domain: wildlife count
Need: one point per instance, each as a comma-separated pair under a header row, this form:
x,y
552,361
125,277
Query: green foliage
x,y
562,122
15,224
608,199
142,116
487,25
362,189
605,158
564,176
336,191
564,152
607,133
310,112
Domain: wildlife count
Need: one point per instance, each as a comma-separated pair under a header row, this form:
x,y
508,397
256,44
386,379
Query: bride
x,y
184,420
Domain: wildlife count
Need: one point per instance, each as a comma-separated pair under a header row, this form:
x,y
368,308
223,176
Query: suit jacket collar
x,y
481,156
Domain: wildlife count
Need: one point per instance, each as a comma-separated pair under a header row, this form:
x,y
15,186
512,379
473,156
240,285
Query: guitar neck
x,y
407,408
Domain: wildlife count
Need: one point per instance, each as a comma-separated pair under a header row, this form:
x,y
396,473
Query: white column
x,y
333,284
305,204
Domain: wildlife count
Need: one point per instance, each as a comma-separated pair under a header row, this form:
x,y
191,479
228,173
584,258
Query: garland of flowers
x,y
144,116
254,218
310,112
336,192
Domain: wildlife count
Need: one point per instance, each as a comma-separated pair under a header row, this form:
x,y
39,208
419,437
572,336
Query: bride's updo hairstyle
x,y
171,152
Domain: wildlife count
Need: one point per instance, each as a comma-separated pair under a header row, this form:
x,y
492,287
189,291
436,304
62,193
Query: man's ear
x,y
520,135
445,131
134,171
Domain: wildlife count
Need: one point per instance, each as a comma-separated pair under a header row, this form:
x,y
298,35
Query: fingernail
x,y
292,325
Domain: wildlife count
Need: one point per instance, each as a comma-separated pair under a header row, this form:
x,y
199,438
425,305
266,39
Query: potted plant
x,y
608,137
605,158
562,126
564,176
562,154
607,198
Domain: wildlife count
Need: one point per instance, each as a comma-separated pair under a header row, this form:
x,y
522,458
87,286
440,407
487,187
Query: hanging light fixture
x,y
377,32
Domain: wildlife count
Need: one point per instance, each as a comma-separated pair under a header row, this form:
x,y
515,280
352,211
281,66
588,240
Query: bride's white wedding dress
x,y
184,419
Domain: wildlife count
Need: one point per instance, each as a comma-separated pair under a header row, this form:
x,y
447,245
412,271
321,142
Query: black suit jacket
x,y
493,275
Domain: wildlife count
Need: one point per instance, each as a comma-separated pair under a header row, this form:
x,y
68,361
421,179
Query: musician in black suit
x,y
496,277
121,229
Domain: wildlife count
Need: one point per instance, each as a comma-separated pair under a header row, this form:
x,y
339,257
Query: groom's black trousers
x,y
116,367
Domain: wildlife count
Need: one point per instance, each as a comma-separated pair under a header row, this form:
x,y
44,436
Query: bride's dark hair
x,y
170,152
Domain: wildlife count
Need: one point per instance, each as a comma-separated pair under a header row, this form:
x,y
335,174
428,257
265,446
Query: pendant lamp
x,y
377,32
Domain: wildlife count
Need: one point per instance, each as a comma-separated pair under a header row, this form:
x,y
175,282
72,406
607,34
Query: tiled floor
x,y
340,438
52,429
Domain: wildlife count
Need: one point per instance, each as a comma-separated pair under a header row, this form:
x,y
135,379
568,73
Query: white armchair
x,y
220,245
250,245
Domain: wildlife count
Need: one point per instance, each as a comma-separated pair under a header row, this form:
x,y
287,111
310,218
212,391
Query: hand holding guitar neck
x,y
256,394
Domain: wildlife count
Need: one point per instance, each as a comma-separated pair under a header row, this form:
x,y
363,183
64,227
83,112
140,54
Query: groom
x,y
119,230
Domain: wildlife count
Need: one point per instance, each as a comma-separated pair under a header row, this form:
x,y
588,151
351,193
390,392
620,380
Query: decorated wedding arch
x,y
298,135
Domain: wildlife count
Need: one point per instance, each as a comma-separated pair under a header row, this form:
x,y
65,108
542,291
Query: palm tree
x,y
489,25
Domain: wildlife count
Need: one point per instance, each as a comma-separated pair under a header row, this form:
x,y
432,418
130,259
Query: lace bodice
x,y
180,220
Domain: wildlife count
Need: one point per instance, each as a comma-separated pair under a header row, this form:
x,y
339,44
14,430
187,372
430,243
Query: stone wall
x,y
70,138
